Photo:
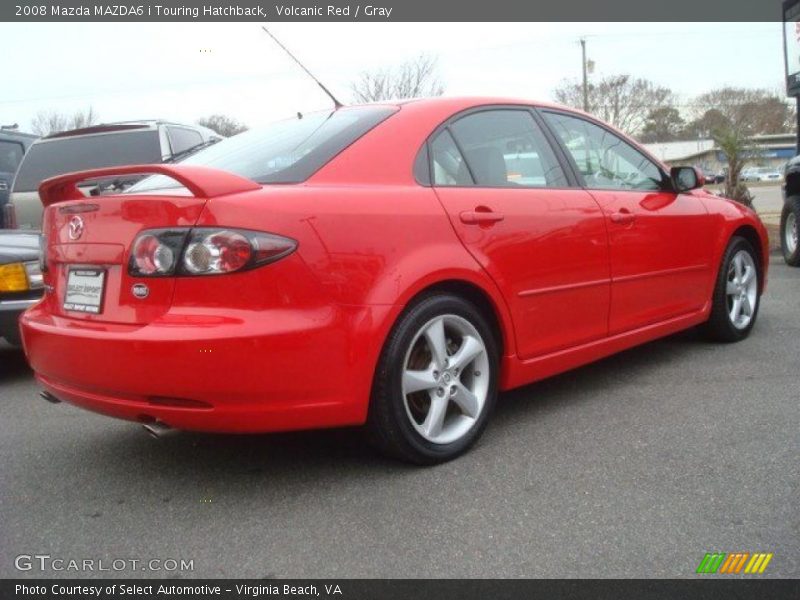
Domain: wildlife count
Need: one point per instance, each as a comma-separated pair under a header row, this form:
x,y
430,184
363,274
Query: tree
x,y
663,124
704,126
49,122
735,145
751,111
621,100
223,125
730,116
414,78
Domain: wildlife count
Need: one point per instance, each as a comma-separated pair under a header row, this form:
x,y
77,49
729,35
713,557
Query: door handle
x,y
623,217
480,216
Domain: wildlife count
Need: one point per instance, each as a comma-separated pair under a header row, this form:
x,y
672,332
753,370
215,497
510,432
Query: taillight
x,y
216,252
43,253
20,277
204,251
10,216
156,252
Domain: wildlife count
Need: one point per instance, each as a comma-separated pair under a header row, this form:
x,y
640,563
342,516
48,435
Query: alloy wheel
x,y
741,289
445,379
790,233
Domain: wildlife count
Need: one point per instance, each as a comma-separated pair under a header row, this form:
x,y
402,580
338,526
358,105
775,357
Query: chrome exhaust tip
x,y
157,429
49,397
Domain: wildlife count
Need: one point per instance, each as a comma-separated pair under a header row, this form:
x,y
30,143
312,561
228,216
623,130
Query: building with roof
x,y
768,151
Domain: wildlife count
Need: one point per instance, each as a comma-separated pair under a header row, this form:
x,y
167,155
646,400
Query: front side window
x,y
605,160
506,148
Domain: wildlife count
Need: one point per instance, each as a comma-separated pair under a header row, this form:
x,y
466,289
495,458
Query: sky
x,y
184,71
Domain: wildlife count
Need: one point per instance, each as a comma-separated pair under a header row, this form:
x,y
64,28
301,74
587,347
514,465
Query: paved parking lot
x,y
767,199
631,467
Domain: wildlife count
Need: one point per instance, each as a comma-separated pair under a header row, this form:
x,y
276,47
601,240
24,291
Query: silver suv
x,y
108,145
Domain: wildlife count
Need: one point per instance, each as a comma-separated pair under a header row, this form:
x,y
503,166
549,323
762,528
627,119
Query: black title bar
x,y
395,10
709,587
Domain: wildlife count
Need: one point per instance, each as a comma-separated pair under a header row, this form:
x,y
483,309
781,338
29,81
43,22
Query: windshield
x,y
288,151
65,155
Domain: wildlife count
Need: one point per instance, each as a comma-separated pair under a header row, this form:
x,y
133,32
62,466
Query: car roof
x,y
467,102
13,135
117,126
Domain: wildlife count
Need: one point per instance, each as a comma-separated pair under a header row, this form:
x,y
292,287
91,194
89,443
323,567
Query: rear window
x,y
64,155
284,152
182,139
10,156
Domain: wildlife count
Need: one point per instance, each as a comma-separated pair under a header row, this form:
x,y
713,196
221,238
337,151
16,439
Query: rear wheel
x,y
436,382
736,294
790,221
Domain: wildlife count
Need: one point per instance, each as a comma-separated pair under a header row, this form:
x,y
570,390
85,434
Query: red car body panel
x,y
549,255
295,344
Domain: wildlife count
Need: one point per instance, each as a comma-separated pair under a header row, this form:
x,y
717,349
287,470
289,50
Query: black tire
x,y
389,426
720,327
790,207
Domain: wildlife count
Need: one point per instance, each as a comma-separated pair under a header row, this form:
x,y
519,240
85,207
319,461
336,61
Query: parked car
x,y
13,145
713,177
761,174
20,280
380,265
790,215
93,147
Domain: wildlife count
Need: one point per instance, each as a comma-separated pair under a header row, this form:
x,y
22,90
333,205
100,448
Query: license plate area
x,y
85,290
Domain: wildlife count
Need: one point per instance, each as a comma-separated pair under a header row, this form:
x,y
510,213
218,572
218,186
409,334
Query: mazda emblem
x,y
75,228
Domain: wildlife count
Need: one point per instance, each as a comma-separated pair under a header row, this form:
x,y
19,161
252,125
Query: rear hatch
x,y
88,247
89,241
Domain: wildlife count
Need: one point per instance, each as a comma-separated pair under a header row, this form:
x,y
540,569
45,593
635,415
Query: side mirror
x,y
686,178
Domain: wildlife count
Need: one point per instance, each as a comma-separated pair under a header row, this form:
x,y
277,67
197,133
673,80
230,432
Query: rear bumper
x,y
10,311
242,372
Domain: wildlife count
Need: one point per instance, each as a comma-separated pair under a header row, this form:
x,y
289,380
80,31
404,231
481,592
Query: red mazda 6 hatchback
x,y
389,265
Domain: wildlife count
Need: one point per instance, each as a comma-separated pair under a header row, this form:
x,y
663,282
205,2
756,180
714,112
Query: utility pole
x,y
585,77
797,111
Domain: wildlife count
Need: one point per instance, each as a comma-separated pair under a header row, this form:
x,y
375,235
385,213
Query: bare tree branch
x,y
223,125
412,79
752,111
620,100
48,122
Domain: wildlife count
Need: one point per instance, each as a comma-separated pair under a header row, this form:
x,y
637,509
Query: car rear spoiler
x,y
202,182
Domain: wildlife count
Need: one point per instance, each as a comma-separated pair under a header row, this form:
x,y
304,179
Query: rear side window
x,y
182,139
288,151
64,155
448,165
506,148
10,156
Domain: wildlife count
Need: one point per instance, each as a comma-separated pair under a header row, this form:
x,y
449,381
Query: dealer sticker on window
x,y
85,290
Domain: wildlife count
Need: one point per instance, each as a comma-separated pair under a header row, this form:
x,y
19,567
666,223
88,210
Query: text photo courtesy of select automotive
x,y
400,300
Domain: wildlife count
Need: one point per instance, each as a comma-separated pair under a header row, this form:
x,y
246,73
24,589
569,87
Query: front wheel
x,y
790,221
436,382
736,294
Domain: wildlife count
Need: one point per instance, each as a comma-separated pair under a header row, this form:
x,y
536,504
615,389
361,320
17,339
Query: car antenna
x,y
337,105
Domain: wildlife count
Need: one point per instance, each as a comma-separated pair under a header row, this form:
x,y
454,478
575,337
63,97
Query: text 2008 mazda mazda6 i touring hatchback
x,y
388,265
